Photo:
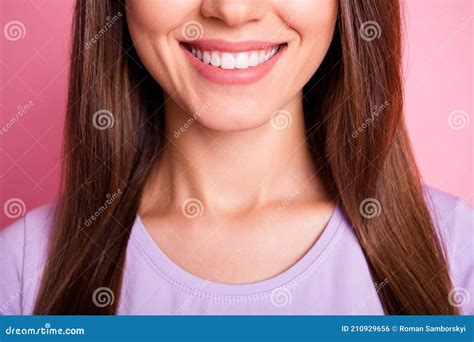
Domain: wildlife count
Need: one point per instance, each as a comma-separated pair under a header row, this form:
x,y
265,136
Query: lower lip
x,y
233,76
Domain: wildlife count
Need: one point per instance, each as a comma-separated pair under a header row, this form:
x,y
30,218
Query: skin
x,y
263,204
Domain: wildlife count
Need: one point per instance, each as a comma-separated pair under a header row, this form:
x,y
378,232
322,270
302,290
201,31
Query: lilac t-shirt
x,y
332,277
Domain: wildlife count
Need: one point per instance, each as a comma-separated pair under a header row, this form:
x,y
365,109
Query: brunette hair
x,y
362,70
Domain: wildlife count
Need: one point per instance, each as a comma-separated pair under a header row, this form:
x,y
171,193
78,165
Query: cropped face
x,y
232,63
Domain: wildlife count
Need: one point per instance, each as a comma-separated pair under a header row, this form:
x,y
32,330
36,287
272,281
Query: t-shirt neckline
x,y
184,280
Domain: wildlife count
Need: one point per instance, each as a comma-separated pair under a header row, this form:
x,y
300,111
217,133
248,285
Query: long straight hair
x,y
363,155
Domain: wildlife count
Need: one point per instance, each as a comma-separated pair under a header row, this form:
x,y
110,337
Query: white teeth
x,y
242,60
206,57
253,59
215,59
229,61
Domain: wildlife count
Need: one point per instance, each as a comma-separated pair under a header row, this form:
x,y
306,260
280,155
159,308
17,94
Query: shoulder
x,y
454,219
23,246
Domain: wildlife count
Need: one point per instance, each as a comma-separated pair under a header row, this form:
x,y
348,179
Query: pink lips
x,y
233,76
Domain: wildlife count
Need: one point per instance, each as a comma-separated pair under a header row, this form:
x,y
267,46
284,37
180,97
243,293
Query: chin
x,y
228,121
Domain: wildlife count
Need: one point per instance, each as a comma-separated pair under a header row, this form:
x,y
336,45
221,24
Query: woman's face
x,y
232,63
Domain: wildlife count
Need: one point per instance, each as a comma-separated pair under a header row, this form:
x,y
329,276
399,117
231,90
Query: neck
x,y
232,171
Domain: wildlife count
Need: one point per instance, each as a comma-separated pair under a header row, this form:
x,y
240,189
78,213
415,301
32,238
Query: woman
x,y
239,157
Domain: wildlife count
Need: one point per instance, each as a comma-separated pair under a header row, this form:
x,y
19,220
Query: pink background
x,y
438,77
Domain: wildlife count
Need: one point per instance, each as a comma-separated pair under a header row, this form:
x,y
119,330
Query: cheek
x,y
314,21
153,24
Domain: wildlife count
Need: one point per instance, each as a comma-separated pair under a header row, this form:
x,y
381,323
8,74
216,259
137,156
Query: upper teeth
x,y
239,60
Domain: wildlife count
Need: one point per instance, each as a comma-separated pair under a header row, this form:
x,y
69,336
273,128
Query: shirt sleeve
x,y
12,242
23,250
454,219
461,258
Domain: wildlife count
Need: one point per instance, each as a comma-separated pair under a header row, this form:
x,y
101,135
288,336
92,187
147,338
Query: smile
x,y
232,63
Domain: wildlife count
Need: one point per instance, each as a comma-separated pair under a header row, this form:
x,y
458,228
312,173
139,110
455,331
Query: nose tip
x,y
233,13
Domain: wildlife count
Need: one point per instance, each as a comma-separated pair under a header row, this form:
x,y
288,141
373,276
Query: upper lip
x,y
223,45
